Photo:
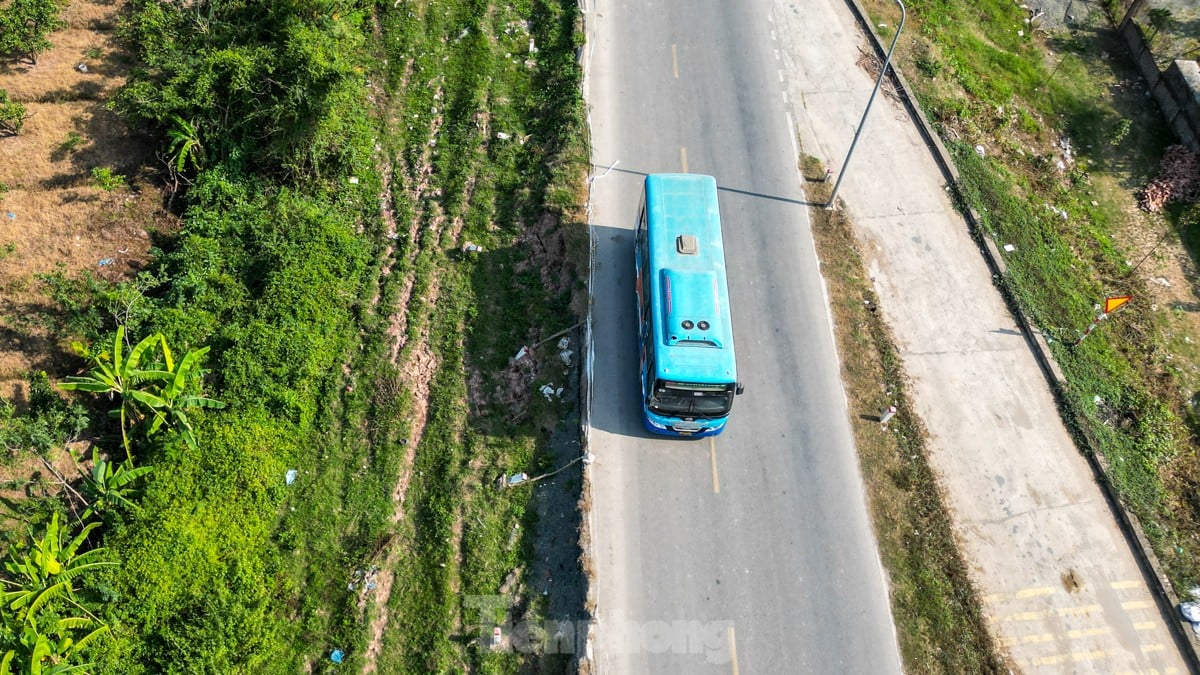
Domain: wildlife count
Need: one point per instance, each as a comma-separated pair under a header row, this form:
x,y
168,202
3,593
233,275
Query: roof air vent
x,y
686,244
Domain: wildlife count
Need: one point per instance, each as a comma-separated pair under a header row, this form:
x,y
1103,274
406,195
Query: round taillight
x,y
687,325
703,325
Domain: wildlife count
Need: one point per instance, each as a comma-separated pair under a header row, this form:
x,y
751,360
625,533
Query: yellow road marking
x,y
712,452
1034,592
1137,604
1157,647
683,158
1145,625
733,650
1073,656
1082,610
1118,585
1077,611
1049,637
675,61
1021,616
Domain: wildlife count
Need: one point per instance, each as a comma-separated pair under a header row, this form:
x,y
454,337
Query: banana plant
x,y
39,578
45,569
184,147
159,392
167,405
108,485
36,653
116,374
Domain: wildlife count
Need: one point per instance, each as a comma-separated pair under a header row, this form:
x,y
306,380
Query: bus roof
x,y
693,326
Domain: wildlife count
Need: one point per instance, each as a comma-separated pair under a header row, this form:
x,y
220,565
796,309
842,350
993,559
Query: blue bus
x,y
688,369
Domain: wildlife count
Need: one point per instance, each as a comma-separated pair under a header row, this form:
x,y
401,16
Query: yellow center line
x,y
733,650
683,158
674,61
712,452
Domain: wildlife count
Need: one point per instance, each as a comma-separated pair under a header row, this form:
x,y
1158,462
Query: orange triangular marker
x,y
1111,304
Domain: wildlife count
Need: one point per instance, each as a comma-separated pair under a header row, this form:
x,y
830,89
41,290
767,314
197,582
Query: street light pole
x,y
882,72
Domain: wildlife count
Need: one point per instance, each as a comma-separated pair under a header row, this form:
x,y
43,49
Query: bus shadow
x,y
615,391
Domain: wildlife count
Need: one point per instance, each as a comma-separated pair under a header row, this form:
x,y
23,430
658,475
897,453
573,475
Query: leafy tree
x,y
24,26
253,77
12,114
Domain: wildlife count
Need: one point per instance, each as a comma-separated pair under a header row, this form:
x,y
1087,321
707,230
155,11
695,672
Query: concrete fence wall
x,y
1177,91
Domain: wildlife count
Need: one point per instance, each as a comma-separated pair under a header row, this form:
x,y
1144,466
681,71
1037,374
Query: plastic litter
x,y
290,477
503,136
82,68
566,355
105,261
471,247
12,216
521,354
517,479
1190,612
496,636
337,656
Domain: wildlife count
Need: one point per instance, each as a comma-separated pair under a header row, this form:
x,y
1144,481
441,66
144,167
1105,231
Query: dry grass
x,y
53,216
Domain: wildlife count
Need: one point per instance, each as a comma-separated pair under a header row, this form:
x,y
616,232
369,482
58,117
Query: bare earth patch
x,y
54,217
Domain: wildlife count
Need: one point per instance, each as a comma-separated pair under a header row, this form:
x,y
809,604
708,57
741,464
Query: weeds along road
x,y
750,552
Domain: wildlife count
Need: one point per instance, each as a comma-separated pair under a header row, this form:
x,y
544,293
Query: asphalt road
x,y
750,552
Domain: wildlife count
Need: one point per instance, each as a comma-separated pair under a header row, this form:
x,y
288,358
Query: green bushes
x,y
12,115
197,588
25,25
48,421
272,87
